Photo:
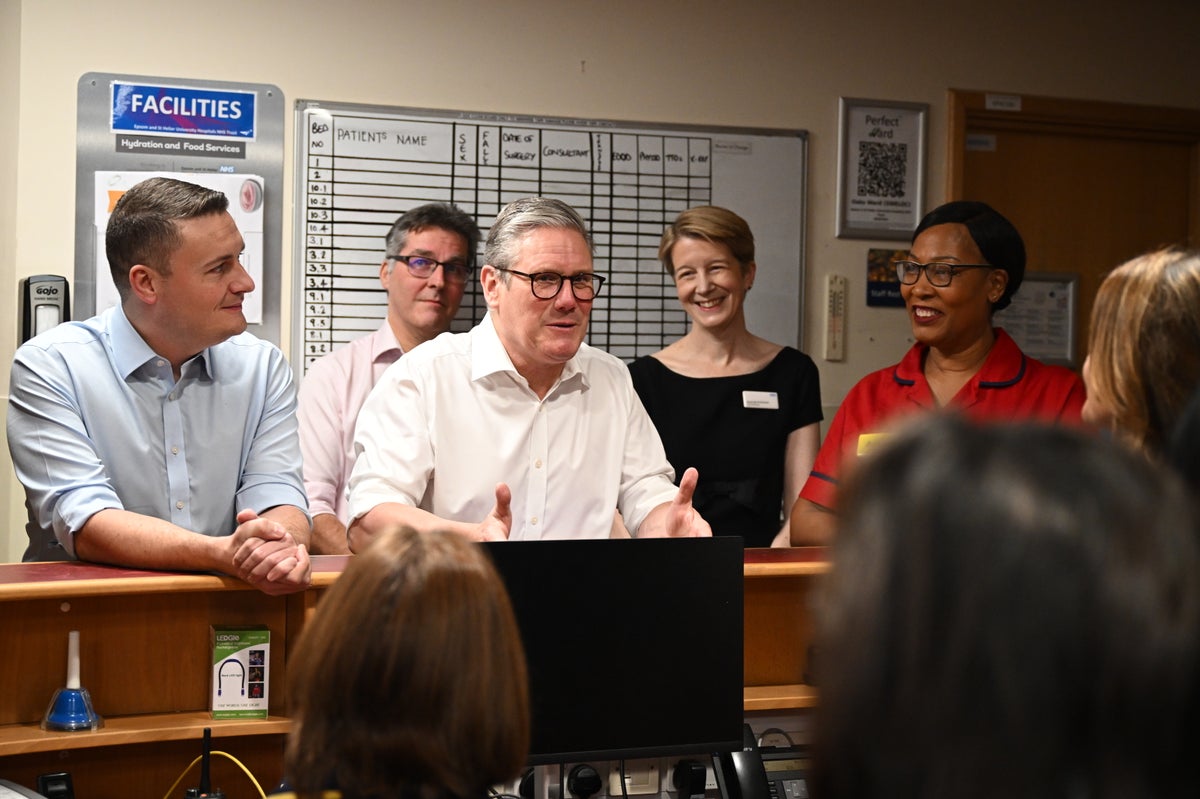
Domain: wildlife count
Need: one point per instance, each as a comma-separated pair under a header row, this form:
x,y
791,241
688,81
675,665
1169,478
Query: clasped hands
x,y
267,556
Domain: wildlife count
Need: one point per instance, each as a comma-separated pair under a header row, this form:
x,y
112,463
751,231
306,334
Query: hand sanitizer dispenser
x,y
45,301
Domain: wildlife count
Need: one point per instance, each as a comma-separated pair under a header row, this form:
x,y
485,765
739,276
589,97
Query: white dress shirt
x,y
453,418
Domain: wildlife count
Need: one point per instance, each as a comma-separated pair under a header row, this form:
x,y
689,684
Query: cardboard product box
x,y
241,662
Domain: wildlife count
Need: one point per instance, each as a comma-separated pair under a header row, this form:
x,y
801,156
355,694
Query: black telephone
x,y
762,773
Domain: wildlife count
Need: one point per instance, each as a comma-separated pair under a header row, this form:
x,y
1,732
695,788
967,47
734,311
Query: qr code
x,y
882,168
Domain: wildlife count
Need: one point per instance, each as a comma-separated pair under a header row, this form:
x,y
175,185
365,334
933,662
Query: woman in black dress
x,y
744,411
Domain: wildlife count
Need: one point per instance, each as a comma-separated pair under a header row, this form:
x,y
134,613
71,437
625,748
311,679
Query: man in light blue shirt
x,y
159,434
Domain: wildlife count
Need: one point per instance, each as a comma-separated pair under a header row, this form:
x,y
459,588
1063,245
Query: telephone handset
x,y
766,773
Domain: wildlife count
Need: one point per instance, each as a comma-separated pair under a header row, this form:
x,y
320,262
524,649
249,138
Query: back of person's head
x,y
1012,611
997,239
1144,345
142,229
520,218
1183,448
444,216
713,224
411,676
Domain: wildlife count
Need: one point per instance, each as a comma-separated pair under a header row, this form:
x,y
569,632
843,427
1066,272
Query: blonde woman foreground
x,y
1144,348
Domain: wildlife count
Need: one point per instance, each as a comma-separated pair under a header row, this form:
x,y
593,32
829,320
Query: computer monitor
x,y
634,647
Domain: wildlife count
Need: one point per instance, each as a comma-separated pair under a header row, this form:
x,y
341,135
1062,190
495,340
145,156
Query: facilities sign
x,y
183,111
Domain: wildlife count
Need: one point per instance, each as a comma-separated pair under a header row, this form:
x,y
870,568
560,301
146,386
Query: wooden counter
x,y
779,627
144,654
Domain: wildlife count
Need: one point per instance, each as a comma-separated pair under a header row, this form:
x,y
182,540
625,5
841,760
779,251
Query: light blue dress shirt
x,y
96,420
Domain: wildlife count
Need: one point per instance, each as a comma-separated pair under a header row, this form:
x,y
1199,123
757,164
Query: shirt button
x,y
533,520
160,362
174,450
537,464
179,505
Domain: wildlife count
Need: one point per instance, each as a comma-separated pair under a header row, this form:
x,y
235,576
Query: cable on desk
x,y
262,794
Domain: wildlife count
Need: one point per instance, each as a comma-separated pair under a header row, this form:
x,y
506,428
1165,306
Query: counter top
x,y
76,578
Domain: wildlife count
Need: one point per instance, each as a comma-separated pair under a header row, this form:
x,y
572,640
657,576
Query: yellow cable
x,y
171,790
237,762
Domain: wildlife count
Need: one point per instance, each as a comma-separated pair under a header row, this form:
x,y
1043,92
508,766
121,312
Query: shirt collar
x,y
130,350
489,357
384,344
1005,364
1003,367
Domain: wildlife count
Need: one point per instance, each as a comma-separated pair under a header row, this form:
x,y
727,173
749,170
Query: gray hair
x,y
520,218
445,216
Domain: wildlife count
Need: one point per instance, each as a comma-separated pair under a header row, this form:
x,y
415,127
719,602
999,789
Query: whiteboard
x,y
360,167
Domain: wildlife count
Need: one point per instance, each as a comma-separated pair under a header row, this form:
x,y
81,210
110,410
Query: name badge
x,y
767,400
866,441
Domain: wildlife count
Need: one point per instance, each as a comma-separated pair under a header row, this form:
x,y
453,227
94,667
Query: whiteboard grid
x,y
361,169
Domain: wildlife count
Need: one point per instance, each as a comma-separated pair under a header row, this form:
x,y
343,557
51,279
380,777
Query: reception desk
x,y
144,652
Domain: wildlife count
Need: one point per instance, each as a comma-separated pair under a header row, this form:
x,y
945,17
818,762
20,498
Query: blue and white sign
x,y
181,111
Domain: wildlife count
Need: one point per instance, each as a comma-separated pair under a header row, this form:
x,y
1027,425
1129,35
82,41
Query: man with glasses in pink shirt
x,y
429,257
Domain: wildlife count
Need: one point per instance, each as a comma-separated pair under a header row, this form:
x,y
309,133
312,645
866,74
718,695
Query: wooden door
x,y
1089,185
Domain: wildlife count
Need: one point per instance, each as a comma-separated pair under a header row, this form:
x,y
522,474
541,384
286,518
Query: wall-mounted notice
x,y
881,168
226,136
360,167
1041,318
211,114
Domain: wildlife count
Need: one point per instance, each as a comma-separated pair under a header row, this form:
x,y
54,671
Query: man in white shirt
x,y
428,258
517,429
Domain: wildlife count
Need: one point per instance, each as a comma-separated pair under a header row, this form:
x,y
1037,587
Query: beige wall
x,y
12,533
765,64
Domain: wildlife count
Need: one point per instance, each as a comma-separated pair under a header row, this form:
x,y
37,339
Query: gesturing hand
x,y
682,520
498,524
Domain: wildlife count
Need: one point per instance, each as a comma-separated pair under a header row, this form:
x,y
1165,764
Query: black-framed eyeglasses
x,y
938,274
420,266
546,285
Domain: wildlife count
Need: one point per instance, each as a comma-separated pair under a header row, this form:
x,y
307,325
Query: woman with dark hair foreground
x,y
410,680
1012,611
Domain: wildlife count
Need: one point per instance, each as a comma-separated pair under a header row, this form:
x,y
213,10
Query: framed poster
x,y
881,168
1041,318
883,286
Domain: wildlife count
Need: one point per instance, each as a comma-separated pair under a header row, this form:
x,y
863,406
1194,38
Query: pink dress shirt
x,y
331,394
